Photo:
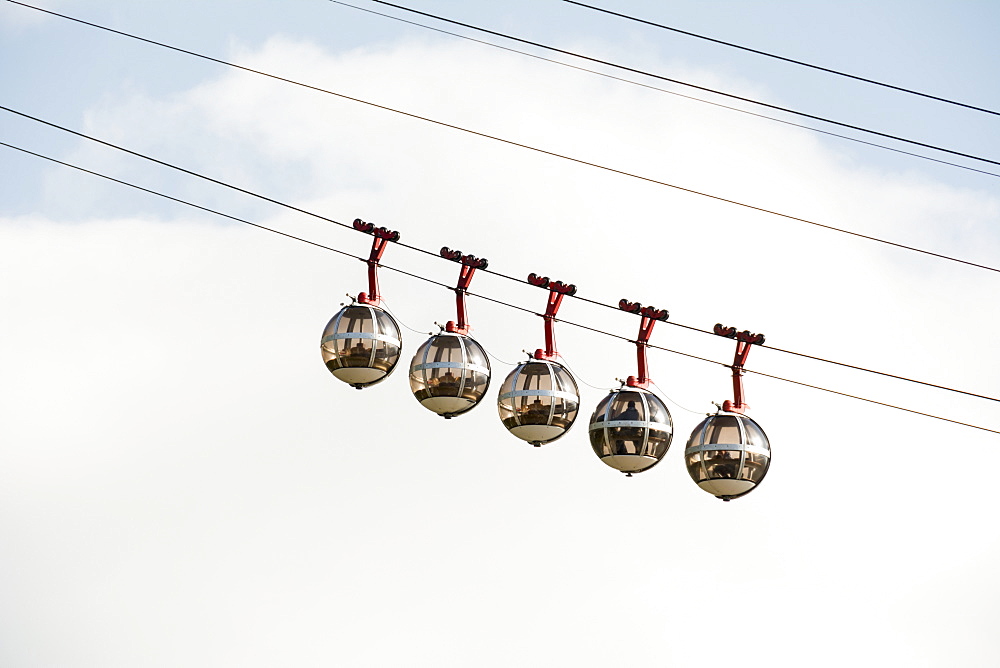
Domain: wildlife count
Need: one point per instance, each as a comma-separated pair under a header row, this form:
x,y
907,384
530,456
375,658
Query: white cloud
x,y
183,483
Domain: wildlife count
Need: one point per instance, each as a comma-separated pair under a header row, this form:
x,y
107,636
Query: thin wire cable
x,y
485,297
494,356
871,401
180,201
668,92
581,378
689,85
667,397
489,271
785,59
512,143
385,305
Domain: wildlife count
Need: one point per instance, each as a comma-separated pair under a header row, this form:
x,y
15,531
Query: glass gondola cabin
x,y
727,455
538,401
361,345
631,430
450,374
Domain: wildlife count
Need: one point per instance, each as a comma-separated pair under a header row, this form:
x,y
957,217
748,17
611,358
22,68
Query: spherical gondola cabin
x,y
450,374
539,401
727,455
361,345
631,430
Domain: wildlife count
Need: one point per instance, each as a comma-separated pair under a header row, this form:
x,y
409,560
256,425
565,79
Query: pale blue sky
x,y
183,483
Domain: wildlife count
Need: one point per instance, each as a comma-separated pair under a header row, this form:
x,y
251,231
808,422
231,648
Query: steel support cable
x,y
481,296
785,59
668,92
871,401
513,143
226,215
489,271
689,85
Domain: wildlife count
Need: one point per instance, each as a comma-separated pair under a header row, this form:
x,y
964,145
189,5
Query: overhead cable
x,y
689,85
512,143
481,296
427,252
785,59
668,92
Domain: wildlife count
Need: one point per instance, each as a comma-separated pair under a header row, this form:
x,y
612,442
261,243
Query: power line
x,y
785,59
689,85
668,92
509,142
426,252
481,296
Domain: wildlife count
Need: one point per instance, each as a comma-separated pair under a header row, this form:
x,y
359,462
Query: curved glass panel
x,y
722,463
477,373
755,435
723,429
695,468
565,408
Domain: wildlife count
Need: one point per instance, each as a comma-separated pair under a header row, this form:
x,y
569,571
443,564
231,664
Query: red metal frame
x,y
469,265
557,290
650,315
744,340
382,237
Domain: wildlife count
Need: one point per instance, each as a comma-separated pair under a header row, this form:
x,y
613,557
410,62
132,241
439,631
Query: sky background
x,y
183,483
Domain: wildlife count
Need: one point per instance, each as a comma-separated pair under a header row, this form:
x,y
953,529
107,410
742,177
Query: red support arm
x,y
557,290
649,317
744,340
382,237
469,265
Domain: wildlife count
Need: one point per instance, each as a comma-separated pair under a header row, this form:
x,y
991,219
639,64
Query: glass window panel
x,y
657,444
446,349
696,434
755,434
357,319
627,406
535,410
535,376
476,354
657,411
475,385
695,467
754,467
386,324
444,381
356,352
722,463
723,429
602,408
599,443
627,440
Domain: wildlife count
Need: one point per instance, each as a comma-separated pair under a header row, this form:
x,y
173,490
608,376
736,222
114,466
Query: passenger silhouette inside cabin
x,y
724,465
629,439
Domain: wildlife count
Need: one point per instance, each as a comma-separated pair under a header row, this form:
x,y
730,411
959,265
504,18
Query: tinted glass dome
x,y
450,374
631,430
361,345
727,455
538,401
